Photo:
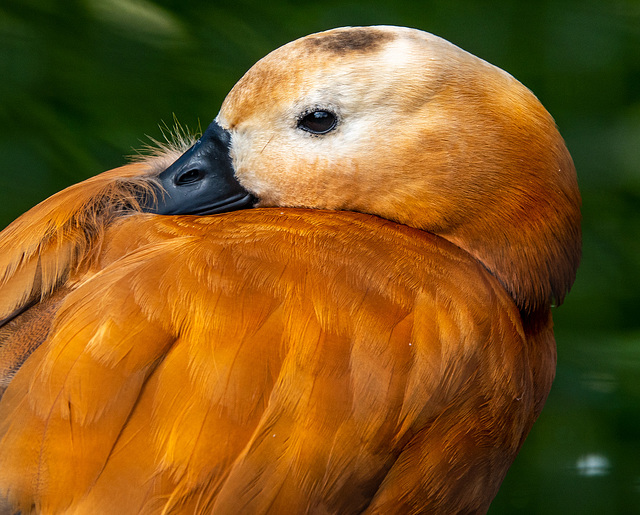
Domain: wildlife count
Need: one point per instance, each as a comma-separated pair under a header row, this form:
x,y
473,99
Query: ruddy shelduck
x,y
337,300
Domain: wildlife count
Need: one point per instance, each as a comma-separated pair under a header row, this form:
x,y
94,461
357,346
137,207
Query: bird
x,y
336,300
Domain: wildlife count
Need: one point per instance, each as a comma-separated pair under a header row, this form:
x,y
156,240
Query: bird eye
x,y
189,177
318,122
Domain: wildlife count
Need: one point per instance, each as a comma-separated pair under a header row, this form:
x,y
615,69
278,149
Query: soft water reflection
x,y
591,465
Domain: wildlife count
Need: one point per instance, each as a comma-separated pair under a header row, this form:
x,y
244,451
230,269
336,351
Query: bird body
x,y
374,337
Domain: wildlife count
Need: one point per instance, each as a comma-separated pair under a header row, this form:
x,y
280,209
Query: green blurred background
x,y
84,82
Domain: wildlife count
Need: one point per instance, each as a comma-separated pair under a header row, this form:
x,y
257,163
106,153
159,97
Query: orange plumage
x,y
293,358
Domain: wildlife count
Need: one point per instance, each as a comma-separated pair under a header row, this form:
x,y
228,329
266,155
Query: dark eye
x,y
318,122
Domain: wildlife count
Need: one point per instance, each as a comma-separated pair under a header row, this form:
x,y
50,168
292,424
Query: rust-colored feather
x,y
221,380
41,248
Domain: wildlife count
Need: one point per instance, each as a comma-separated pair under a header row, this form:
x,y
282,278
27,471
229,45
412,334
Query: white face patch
x,y
381,99
282,163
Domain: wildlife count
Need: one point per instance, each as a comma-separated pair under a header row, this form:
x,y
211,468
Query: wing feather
x,y
268,361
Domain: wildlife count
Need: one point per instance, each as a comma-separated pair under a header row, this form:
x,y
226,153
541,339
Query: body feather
x,y
274,376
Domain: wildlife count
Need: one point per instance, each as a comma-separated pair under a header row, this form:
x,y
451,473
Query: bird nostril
x,y
189,177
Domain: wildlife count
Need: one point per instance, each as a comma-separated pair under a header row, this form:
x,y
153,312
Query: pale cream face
x,y
374,159
427,135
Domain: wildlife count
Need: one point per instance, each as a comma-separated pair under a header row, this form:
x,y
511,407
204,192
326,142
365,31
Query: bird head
x,y
401,124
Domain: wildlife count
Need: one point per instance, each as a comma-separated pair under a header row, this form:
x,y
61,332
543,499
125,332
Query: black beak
x,y
201,181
